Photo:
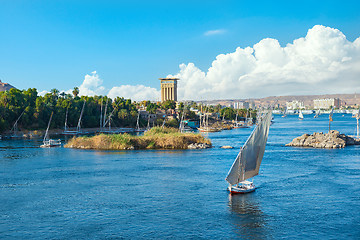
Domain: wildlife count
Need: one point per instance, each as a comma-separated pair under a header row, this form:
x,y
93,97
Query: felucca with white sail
x,y
317,114
78,128
247,162
301,116
50,142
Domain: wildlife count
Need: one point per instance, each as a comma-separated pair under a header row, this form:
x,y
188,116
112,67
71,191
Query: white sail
x,y
247,163
301,116
317,114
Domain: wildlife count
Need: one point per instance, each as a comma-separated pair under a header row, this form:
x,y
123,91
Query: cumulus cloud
x,y
214,32
92,85
42,93
135,92
323,61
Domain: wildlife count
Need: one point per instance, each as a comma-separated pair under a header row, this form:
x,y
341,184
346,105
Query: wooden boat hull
x,y
208,130
51,143
241,190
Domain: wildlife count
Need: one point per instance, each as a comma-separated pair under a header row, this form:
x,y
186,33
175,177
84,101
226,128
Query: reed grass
x,y
155,138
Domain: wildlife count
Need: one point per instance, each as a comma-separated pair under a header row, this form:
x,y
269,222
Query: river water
x,y
61,193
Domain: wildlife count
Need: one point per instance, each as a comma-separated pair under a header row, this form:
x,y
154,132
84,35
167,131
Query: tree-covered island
x,y
35,111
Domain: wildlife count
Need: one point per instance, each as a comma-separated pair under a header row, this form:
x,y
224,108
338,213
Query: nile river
x,y
61,193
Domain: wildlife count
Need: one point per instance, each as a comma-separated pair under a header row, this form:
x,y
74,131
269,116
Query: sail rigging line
x,y
81,114
47,129
104,118
101,110
137,121
14,128
66,117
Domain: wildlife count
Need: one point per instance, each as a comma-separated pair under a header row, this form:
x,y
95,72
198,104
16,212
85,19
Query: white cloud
x,y
324,61
42,93
91,85
135,92
214,32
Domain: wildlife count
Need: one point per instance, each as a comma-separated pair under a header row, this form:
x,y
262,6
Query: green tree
x,y
75,91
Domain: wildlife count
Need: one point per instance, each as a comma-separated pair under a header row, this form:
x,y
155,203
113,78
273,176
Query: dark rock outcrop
x,y
333,139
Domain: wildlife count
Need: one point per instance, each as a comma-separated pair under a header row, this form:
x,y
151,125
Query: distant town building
x,y
295,105
326,103
146,115
168,89
241,105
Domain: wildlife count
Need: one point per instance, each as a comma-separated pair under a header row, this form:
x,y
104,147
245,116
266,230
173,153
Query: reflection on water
x,y
247,217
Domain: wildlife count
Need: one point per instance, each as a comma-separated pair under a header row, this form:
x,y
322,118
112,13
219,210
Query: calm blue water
x,y
63,193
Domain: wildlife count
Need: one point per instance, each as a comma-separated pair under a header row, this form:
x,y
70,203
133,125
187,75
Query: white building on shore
x,y
295,105
326,103
241,105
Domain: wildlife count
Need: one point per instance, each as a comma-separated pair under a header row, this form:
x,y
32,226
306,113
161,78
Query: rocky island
x,y
155,138
332,139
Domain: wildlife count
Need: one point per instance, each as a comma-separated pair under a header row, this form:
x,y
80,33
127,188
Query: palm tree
x,y
54,92
75,91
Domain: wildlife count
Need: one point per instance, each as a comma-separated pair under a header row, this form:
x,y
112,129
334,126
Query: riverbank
x,y
155,138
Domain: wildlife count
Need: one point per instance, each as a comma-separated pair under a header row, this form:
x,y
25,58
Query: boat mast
x,y
148,124
47,129
137,122
357,124
66,116
246,118
104,118
236,117
330,117
101,109
15,124
81,114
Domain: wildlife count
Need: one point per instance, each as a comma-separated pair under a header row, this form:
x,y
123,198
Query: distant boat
x,y
247,162
137,128
204,124
50,142
242,124
301,116
14,129
78,128
284,115
317,114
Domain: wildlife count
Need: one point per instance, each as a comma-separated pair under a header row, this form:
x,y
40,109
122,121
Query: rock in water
x,y
333,139
199,146
227,147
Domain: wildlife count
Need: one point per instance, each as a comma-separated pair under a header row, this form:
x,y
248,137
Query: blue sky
x,y
54,44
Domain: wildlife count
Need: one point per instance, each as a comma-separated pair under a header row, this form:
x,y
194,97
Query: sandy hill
x,y
346,99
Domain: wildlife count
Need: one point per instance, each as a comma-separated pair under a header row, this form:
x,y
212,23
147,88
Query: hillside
x,y
5,86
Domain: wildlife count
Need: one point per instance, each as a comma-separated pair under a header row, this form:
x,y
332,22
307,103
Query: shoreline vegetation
x,y
155,138
24,112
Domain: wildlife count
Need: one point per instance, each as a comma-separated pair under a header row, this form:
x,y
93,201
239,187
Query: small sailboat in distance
x,y
317,114
247,162
301,116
